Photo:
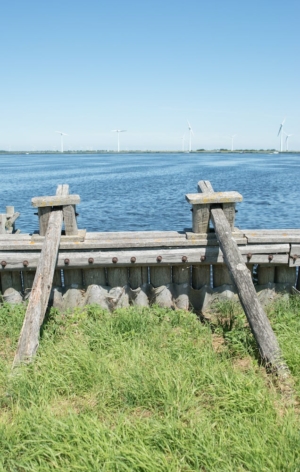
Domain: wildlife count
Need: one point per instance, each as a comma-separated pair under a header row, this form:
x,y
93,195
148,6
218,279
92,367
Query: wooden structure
x,y
173,269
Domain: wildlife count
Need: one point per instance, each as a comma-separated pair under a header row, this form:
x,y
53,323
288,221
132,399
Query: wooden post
x,y
39,297
285,275
265,274
221,275
44,214
241,277
2,223
138,276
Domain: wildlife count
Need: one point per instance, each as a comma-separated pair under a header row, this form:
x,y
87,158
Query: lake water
x,y
147,191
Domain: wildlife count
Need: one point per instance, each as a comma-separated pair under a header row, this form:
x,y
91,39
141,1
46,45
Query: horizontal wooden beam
x,y
215,197
57,200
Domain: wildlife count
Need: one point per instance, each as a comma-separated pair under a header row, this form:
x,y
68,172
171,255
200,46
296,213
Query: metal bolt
x,y
25,263
270,257
159,258
249,255
90,260
184,259
295,257
115,260
3,263
133,259
202,258
67,261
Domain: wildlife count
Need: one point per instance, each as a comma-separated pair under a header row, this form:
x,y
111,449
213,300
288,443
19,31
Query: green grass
x,y
147,390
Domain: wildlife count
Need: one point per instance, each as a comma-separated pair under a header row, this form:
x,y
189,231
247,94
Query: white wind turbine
x,y
287,141
280,132
118,131
191,132
232,138
61,139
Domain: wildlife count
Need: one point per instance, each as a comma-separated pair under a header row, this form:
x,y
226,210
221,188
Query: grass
x,y
147,390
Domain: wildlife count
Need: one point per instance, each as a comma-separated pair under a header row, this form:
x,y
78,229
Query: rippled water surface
x,y
147,191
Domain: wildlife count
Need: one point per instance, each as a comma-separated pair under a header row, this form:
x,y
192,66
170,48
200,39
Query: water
x,y
127,192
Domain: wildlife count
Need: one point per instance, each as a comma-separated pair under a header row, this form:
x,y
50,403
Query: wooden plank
x,y
94,277
65,239
258,321
44,214
11,280
138,276
117,276
201,215
265,274
294,260
57,200
214,197
200,276
160,276
181,274
2,223
73,277
173,256
39,297
285,275
221,276
70,222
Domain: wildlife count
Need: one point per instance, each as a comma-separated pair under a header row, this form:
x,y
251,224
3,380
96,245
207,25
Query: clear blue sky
x,y
148,66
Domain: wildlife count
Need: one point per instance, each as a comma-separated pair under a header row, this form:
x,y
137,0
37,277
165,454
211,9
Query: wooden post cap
x,y
215,197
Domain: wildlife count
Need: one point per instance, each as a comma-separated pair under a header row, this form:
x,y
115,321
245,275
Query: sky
x,y
228,67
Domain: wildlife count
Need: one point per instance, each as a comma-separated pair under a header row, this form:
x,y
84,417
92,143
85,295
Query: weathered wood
x,y
69,212
138,276
28,278
265,274
94,277
241,277
200,276
200,218
117,277
44,214
160,275
213,197
10,210
294,260
2,223
38,301
73,277
57,200
221,276
173,256
181,274
285,275
11,280
229,212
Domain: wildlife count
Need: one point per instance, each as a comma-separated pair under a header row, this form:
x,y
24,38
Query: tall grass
x,y
146,390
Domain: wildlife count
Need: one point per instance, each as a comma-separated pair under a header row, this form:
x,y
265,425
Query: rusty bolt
x,y
67,261
184,259
295,257
115,260
249,255
25,263
3,263
202,258
159,258
90,260
270,257
133,259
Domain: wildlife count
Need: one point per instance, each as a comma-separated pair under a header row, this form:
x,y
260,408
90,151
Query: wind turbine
x,y
287,141
232,137
119,131
61,139
191,132
280,133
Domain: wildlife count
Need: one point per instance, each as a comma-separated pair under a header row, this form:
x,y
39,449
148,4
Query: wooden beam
x,y
260,326
39,297
57,200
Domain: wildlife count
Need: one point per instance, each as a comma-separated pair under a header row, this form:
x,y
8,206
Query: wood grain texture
x,y
57,200
160,275
285,275
200,276
200,218
40,293
241,277
69,212
213,197
43,214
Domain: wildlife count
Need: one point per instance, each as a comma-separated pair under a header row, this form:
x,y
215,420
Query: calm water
x,y
147,191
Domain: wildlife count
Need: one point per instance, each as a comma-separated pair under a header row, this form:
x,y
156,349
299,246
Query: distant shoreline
x,y
200,151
